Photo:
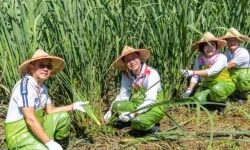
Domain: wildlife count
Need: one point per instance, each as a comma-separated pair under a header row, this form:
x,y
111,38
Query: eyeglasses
x,y
43,65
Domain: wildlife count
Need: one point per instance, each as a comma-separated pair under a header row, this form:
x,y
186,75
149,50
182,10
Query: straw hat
x,y
209,37
57,62
233,33
118,64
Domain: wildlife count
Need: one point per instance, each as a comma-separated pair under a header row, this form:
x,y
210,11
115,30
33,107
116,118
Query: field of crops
x,y
90,34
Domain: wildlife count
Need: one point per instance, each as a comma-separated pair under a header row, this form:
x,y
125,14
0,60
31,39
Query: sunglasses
x,y
43,65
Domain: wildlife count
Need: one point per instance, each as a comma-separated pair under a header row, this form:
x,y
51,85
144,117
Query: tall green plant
x,y
89,35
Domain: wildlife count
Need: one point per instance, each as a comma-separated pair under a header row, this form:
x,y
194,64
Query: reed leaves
x,y
89,35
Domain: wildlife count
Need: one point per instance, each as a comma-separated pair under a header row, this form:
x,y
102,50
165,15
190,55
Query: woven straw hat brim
x,y
118,64
221,43
242,38
57,63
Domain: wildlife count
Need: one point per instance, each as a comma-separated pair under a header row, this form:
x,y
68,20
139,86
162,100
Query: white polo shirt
x,y
240,57
148,78
26,93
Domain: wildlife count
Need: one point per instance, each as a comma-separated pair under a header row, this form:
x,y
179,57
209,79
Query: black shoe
x,y
138,133
220,110
122,125
240,97
242,101
155,129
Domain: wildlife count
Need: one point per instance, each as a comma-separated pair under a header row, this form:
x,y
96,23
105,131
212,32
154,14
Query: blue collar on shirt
x,y
32,80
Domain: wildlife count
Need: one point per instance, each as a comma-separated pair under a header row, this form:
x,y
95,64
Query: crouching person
x,y
238,64
32,122
140,86
211,67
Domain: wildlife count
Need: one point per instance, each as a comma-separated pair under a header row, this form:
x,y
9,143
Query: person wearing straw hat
x,y
140,87
238,64
216,84
32,122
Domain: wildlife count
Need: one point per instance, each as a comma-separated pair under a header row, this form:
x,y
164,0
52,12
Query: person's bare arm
x,y
33,123
51,109
200,72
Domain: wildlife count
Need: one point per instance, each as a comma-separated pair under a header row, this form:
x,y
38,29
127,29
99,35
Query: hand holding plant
x,y
52,145
79,106
126,116
107,115
186,73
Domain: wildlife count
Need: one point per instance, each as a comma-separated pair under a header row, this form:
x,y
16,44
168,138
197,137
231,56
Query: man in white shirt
x,y
32,122
216,84
238,59
140,87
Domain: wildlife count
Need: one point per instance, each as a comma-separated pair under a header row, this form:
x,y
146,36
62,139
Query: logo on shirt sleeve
x,y
36,103
24,91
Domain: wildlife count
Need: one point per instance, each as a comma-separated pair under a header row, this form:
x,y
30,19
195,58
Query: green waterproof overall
x,y
19,136
215,88
241,78
146,120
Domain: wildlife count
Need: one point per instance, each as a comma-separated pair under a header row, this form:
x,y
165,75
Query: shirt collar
x,y
143,66
32,80
236,50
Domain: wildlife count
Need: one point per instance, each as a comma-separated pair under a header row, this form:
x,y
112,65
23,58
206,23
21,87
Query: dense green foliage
x,y
90,34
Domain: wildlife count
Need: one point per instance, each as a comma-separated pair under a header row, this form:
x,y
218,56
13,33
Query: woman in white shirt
x,y
140,86
238,59
210,66
32,121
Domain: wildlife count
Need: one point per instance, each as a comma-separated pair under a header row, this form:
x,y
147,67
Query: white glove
x,y
186,94
107,115
186,73
79,106
52,145
126,116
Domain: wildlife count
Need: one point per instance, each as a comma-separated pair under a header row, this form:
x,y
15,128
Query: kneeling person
x,y
140,86
32,121
210,66
238,63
